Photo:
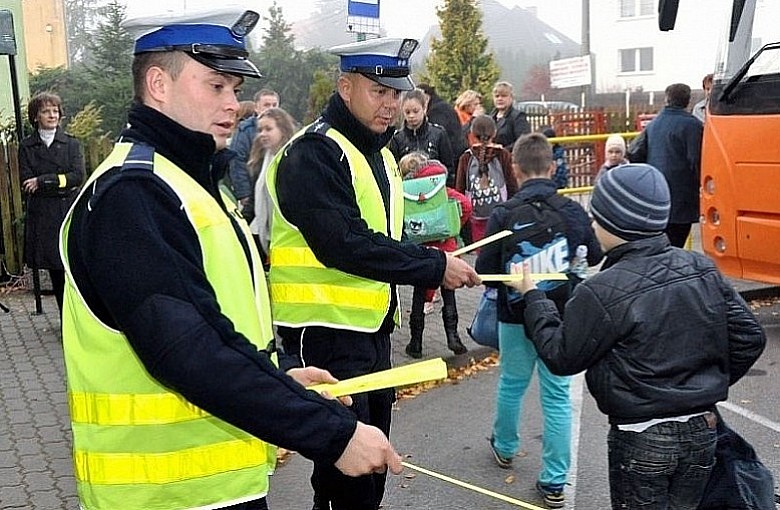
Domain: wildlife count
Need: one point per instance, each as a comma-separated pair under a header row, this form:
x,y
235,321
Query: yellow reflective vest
x,y
137,444
306,293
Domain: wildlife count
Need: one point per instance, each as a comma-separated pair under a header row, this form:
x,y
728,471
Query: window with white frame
x,y
636,60
634,8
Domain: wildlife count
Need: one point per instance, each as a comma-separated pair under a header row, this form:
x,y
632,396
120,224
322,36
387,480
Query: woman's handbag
x,y
484,326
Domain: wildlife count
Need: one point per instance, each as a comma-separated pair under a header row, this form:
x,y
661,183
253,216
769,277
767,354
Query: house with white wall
x,y
631,53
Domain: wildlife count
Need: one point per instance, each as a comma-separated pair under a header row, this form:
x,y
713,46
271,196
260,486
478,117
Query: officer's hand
x,y
309,376
459,273
369,451
527,282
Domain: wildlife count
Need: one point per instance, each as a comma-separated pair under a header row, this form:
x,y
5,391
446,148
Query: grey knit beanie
x,y
631,201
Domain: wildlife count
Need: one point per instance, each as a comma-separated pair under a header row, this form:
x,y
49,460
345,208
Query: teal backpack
x,y
429,215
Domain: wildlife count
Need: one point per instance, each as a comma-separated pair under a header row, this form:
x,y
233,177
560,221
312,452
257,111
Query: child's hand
x,y
527,282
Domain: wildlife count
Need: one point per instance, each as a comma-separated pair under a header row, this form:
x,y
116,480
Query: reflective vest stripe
x,y
351,297
294,257
146,409
168,467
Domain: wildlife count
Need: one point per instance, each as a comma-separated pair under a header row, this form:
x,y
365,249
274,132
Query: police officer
x,y
173,391
336,255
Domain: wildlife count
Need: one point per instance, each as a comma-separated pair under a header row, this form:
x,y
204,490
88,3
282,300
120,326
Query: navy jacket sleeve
x,y
746,336
141,266
315,193
569,347
241,144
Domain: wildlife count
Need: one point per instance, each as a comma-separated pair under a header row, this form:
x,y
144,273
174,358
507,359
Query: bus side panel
x,y
739,200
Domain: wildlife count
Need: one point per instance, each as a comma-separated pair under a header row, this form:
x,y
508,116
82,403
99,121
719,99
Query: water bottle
x,y
579,264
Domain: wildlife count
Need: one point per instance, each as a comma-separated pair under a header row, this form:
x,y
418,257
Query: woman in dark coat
x,y
51,170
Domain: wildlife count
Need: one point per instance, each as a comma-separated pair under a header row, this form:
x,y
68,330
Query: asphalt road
x,y
445,430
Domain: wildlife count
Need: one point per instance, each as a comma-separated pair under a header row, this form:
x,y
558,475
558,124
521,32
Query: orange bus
x,y
740,167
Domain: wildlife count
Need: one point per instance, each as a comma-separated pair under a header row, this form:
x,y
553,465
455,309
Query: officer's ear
x,y
158,83
345,85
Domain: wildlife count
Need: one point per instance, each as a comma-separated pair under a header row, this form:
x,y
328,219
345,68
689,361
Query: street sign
x,y
363,16
7,37
570,72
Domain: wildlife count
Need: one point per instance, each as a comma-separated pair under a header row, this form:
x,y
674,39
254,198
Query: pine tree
x,y
109,67
460,60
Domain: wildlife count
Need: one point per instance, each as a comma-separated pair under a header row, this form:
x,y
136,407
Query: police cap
x,y
216,38
384,60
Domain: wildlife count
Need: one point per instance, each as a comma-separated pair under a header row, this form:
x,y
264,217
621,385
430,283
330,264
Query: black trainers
x,y
551,494
503,462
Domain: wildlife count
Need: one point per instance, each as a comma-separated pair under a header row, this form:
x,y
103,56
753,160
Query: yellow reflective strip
x,y
298,257
312,293
62,181
131,409
168,467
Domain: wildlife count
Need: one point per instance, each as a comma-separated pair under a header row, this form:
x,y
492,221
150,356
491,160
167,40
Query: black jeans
x,y
664,467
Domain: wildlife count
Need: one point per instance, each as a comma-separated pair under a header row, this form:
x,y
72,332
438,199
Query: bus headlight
x,y
713,216
709,185
720,244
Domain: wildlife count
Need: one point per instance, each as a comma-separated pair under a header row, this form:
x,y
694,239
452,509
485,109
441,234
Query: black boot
x,y
450,317
416,326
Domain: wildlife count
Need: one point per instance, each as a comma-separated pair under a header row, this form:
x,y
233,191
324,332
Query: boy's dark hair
x,y
678,95
483,127
533,154
265,92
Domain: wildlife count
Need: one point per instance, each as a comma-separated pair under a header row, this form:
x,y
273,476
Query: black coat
x,y
659,330
48,205
674,148
442,113
428,138
510,127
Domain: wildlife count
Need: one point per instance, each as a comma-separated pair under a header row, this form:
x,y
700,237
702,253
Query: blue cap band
x,y
386,64
186,35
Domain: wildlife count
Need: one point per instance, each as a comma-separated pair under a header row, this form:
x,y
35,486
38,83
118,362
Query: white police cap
x,y
384,60
215,38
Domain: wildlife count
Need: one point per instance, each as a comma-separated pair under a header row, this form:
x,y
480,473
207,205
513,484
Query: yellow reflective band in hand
x,y
474,488
537,277
482,242
431,370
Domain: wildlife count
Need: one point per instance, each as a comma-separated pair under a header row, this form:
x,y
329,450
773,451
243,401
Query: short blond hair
x,y
467,97
411,163
503,85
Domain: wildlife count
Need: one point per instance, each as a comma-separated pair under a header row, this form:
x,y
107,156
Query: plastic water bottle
x,y
579,264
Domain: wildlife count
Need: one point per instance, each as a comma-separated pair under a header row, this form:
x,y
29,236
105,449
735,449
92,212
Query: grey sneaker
x,y
551,494
503,462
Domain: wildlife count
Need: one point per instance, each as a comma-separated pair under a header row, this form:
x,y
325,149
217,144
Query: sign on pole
x,y
363,16
7,39
570,72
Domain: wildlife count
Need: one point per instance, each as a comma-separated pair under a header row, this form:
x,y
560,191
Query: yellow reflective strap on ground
x,y
494,495
430,370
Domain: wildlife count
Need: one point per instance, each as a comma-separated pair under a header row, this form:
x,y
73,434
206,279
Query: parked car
x,y
544,107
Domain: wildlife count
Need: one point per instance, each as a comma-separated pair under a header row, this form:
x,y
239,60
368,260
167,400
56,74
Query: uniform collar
x,y
341,119
192,151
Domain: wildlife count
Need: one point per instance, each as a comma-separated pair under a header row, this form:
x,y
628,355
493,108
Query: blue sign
x,y
363,8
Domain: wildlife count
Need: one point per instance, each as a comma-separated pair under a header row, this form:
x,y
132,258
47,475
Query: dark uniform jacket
x,y
47,207
674,148
137,260
659,330
510,127
429,138
315,194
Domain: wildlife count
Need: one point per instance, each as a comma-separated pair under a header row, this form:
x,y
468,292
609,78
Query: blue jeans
x,y
517,361
666,466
